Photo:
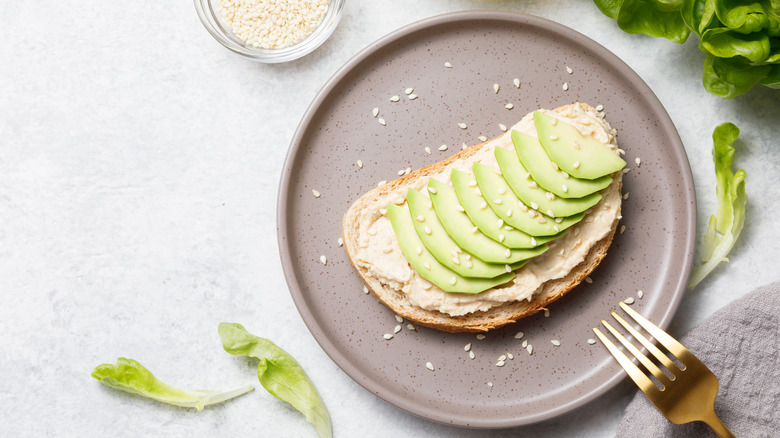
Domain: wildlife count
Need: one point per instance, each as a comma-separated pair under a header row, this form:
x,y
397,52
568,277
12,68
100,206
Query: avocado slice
x,y
533,157
516,175
578,155
441,245
503,201
426,265
468,236
486,219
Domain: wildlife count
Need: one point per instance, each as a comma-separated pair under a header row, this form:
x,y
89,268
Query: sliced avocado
x,y
466,234
486,219
503,201
441,245
578,155
531,194
533,157
426,265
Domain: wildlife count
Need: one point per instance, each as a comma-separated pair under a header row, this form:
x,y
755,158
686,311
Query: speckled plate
x,y
654,253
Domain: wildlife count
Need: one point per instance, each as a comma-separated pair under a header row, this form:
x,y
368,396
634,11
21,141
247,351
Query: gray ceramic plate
x,y
484,47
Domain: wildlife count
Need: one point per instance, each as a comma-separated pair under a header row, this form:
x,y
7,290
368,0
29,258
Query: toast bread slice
x,y
479,321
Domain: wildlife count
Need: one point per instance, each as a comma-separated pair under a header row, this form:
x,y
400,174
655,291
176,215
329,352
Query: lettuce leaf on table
x,y
726,224
280,374
130,376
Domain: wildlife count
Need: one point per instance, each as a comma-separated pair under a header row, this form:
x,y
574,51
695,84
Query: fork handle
x,y
718,427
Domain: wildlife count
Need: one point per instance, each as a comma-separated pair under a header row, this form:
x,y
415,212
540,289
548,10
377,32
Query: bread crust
x,y
480,321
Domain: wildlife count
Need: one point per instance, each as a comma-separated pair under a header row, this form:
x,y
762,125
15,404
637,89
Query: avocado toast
x,y
474,242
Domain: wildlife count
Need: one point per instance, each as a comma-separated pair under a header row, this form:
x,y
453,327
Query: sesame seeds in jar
x,y
273,24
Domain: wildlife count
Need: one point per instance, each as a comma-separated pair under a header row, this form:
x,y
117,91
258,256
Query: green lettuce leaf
x,y
654,19
729,77
280,374
726,224
742,16
699,15
772,79
726,43
130,376
610,8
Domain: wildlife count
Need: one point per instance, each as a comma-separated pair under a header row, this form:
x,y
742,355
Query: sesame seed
x,y
456,260
372,232
475,229
556,342
554,122
498,201
638,161
480,336
460,208
621,151
565,86
569,70
467,347
447,64
626,170
496,87
472,355
398,318
323,260
401,172
464,146
375,112
395,98
500,223
509,213
550,213
419,250
427,266
490,384
576,165
427,150
388,250
501,190
410,327
565,188
534,205
382,122
315,193
530,349
443,147
554,137
501,238
558,220
533,241
629,300
365,290
397,329
478,191
516,82
502,357
483,205
532,185
462,125
360,164
509,106
622,229
502,127
409,90
432,190
525,343
542,220
387,336
546,310
508,253
600,108
588,280
427,286
507,267
565,175
453,280
591,341
555,227
482,138
500,363
408,170
640,294
341,241
412,96
473,183
427,230
429,366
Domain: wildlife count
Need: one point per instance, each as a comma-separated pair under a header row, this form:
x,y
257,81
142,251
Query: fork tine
x,y
637,354
664,339
663,358
633,371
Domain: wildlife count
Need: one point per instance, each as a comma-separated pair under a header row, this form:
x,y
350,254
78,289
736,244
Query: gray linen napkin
x,y
741,345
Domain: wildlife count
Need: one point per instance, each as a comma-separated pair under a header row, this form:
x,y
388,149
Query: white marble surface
x,y
139,164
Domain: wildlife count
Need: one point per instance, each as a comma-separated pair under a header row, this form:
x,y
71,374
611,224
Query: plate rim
x,y
518,18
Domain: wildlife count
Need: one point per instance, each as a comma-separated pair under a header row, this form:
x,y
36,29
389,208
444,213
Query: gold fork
x,y
686,394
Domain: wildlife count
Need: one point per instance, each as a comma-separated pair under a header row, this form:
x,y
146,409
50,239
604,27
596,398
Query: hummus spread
x,y
379,253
